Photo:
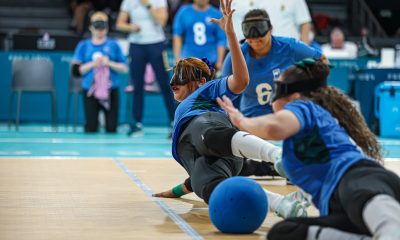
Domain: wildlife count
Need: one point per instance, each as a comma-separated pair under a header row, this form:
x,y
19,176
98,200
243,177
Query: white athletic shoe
x,y
288,207
300,196
279,168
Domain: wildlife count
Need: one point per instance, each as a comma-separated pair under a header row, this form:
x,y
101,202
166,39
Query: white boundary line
x,y
182,224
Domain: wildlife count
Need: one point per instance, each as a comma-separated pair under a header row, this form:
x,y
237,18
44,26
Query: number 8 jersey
x,y
255,100
201,38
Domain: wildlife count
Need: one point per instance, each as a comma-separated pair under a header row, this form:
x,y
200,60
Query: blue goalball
x,y
238,205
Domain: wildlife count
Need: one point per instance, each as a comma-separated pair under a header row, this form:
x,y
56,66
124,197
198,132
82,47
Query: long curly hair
x,y
338,104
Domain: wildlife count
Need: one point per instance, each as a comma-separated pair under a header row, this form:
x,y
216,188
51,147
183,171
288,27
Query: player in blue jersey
x,y
204,141
267,56
99,60
329,152
196,36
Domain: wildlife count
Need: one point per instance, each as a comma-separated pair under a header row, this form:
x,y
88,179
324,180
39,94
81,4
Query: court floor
x,y
68,185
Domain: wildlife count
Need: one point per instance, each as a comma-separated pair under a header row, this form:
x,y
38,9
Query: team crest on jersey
x,y
208,20
276,72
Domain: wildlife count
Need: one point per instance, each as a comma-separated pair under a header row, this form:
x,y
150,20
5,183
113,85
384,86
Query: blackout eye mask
x,y
256,27
180,77
99,24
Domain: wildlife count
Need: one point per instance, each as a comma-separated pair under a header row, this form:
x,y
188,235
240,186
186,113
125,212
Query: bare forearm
x,y
84,68
220,56
277,126
239,67
118,67
126,27
256,126
305,29
160,15
177,46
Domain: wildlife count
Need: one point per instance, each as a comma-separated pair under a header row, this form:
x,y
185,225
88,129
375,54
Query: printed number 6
x,y
264,91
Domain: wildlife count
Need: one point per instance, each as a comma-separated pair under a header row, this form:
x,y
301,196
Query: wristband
x,y
178,190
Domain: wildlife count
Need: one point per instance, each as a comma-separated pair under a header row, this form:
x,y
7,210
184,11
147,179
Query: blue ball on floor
x,y
238,205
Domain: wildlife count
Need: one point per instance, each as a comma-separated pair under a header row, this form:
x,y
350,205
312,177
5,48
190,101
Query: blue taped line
x,y
182,224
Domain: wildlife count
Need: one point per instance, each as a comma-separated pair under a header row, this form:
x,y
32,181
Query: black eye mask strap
x,y
285,89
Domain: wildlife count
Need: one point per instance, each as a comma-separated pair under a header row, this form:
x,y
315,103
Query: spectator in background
x,y
196,36
79,10
290,18
338,47
82,8
241,8
147,43
98,60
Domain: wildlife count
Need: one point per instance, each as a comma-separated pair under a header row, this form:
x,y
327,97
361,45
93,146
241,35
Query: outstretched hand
x,y
165,194
225,23
234,114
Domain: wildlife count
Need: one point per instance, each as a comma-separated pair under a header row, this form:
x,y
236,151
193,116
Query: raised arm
x,y
239,80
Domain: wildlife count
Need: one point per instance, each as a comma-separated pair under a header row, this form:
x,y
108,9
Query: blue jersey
x,y
316,46
283,54
86,51
201,101
316,157
201,38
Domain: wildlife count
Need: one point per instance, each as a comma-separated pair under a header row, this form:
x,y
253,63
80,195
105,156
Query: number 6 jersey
x,y
284,53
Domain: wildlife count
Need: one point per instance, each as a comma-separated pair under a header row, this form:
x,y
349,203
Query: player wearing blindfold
x,y
204,141
267,56
98,60
329,152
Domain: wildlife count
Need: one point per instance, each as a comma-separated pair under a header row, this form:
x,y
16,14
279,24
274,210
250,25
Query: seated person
x,y
338,47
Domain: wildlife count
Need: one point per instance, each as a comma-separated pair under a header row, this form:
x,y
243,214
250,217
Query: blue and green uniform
x,y
316,157
203,100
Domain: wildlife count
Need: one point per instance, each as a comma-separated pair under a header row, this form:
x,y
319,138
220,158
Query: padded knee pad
x,y
219,140
288,230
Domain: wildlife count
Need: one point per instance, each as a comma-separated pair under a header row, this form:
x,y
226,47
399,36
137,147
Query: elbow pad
x,y
75,70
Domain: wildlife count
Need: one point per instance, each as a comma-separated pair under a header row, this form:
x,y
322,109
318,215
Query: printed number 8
x,y
199,30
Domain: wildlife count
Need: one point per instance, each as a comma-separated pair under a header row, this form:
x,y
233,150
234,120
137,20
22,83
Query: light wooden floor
x,y
65,198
